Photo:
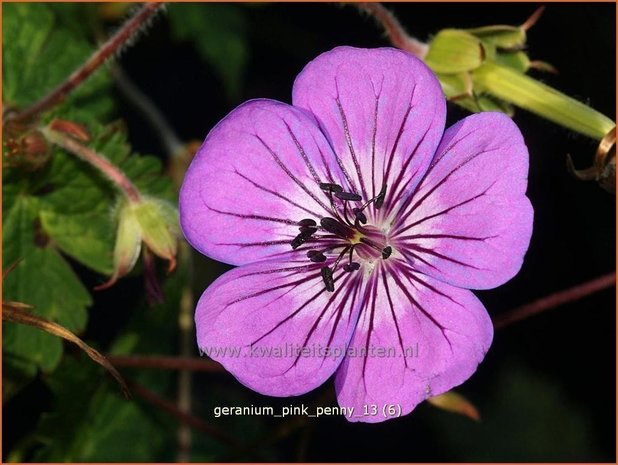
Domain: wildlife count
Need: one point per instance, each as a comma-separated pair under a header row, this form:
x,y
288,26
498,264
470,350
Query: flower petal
x,y
256,175
469,223
421,337
383,111
274,326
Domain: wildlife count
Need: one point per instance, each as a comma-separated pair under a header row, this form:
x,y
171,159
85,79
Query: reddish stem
x,y
109,48
100,162
554,300
393,28
165,363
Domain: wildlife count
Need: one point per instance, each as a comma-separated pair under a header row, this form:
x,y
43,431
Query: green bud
x,y
158,221
454,51
148,220
456,85
128,243
504,37
514,87
518,61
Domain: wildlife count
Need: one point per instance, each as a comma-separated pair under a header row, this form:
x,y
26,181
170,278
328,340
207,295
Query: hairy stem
x,y
393,28
100,162
556,299
112,46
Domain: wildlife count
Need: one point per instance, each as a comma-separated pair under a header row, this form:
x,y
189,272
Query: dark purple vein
x,y
253,217
443,212
442,182
276,194
392,308
348,139
290,175
427,315
303,154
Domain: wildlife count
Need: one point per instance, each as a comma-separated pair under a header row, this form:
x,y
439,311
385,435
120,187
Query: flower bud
x,y
25,148
454,51
158,221
148,220
128,244
484,69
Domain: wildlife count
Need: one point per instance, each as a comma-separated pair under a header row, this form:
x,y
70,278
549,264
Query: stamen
x,y
360,216
316,256
327,277
329,187
308,229
351,196
379,199
302,237
307,222
352,266
336,227
386,252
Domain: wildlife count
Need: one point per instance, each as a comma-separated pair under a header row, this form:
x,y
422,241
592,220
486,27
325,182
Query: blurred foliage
x,y
219,33
518,424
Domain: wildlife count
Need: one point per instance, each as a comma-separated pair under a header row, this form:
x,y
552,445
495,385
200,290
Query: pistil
x,y
345,233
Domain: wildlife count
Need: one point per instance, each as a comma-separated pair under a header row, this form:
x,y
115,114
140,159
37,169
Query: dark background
x,y
546,390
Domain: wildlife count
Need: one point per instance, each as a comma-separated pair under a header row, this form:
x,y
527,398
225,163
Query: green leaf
x,y
92,422
42,279
38,55
85,237
219,33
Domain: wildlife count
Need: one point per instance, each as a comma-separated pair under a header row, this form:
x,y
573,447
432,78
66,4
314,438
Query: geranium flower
x,y
358,225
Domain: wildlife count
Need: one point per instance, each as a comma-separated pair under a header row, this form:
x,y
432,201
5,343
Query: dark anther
x,y
316,256
307,222
360,216
336,227
379,200
387,251
352,266
348,196
327,277
308,229
328,187
302,237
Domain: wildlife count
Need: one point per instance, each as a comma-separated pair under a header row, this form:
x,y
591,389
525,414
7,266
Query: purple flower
x,y
358,225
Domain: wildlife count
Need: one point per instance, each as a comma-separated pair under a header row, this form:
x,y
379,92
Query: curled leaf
x,y
15,312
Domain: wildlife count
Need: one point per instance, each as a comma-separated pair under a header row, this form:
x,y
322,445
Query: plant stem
x,y
166,363
149,111
556,299
185,376
536,97
112,46
100,162
393,28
